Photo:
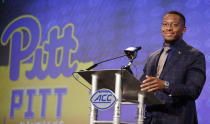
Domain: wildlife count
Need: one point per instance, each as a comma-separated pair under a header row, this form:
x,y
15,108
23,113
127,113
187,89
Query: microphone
x,y
131,52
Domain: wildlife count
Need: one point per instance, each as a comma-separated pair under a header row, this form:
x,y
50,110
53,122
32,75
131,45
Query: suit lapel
x,y
174,58
155,62
171,63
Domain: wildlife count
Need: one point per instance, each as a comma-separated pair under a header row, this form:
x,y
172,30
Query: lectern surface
x,y
130,85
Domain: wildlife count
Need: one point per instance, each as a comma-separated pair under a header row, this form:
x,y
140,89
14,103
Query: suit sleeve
x,y
194,80
143,76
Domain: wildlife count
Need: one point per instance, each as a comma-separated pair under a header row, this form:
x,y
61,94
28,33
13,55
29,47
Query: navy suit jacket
x,y
186,73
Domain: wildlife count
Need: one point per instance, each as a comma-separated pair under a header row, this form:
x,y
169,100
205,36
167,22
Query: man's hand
x,y
151,84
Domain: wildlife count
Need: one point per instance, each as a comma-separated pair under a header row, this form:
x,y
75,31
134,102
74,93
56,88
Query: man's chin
x,y
170,41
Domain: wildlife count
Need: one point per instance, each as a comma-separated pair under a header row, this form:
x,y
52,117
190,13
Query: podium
x,y
126,88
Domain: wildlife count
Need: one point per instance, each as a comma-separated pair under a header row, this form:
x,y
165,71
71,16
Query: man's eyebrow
x,y
172,22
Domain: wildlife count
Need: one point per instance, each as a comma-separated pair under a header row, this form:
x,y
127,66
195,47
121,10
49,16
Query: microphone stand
x,y
127,67
93,66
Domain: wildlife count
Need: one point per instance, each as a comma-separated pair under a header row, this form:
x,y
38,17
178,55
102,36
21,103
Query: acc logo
x,y
103,99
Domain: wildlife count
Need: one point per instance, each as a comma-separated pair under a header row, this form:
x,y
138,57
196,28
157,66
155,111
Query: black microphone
x,y
131,52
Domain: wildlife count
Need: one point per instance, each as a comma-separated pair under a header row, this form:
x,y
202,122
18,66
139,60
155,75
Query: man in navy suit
x,y
176,76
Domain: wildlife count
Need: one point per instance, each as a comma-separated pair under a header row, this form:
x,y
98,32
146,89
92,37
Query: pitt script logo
x,y
49,58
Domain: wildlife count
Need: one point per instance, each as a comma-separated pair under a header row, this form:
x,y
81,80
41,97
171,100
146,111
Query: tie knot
x,y
167,49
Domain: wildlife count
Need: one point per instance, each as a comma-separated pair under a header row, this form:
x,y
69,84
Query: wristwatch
x,y
166,84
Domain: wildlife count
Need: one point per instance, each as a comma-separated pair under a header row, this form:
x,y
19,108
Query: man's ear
x,y
184,30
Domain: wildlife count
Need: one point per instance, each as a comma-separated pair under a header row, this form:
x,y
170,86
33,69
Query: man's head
x,y
173,26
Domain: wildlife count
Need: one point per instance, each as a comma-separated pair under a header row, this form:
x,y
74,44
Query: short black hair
x,y
177,13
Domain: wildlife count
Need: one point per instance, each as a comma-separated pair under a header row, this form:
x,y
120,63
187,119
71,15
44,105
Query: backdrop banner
x,y
42,42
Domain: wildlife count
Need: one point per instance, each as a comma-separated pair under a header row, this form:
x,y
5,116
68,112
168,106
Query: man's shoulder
x,y
155,53
188,49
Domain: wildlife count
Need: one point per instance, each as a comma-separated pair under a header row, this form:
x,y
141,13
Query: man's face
x,y
172,27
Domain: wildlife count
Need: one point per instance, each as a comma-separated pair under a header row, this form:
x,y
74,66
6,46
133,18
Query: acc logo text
x,y
103,99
